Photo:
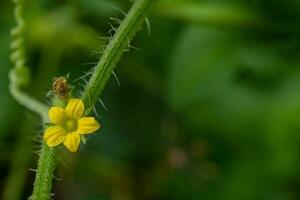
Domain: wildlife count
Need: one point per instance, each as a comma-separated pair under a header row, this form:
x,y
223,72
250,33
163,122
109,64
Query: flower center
x,y
70,125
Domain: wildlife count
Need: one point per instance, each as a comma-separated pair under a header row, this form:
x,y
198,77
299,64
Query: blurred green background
x,y
208,105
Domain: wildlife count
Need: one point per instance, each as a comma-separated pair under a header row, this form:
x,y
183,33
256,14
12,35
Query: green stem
x,y
44,175
114,51
103,70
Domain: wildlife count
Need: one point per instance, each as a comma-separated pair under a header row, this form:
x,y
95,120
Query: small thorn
x,y
118,21
147,21
96,112
87,74
102,104
57,178
90,63
121,11
32,170
64,164
116,78
133,47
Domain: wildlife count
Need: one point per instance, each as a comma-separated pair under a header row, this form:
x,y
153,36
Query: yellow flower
x,y
69,125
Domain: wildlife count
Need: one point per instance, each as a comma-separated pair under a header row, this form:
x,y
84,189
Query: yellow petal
x,y
74,108
54,135
87,125
56,115
72,141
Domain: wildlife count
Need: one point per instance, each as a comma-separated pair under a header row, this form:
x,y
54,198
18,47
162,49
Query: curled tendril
x,y
19,75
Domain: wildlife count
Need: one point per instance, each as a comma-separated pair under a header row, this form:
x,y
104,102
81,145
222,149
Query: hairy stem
x,y
103,70
119,43
44,175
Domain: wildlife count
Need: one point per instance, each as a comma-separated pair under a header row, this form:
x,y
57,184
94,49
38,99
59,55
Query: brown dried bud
x,y
60,87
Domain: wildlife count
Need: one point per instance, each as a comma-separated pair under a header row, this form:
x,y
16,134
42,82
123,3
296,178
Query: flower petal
x,y
56,115
87,125
75,108
72,141
54,135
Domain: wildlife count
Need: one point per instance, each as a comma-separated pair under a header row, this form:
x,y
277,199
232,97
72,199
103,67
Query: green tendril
x,y
19,76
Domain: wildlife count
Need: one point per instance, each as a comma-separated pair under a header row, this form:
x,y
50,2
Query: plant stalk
x,y
115,49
